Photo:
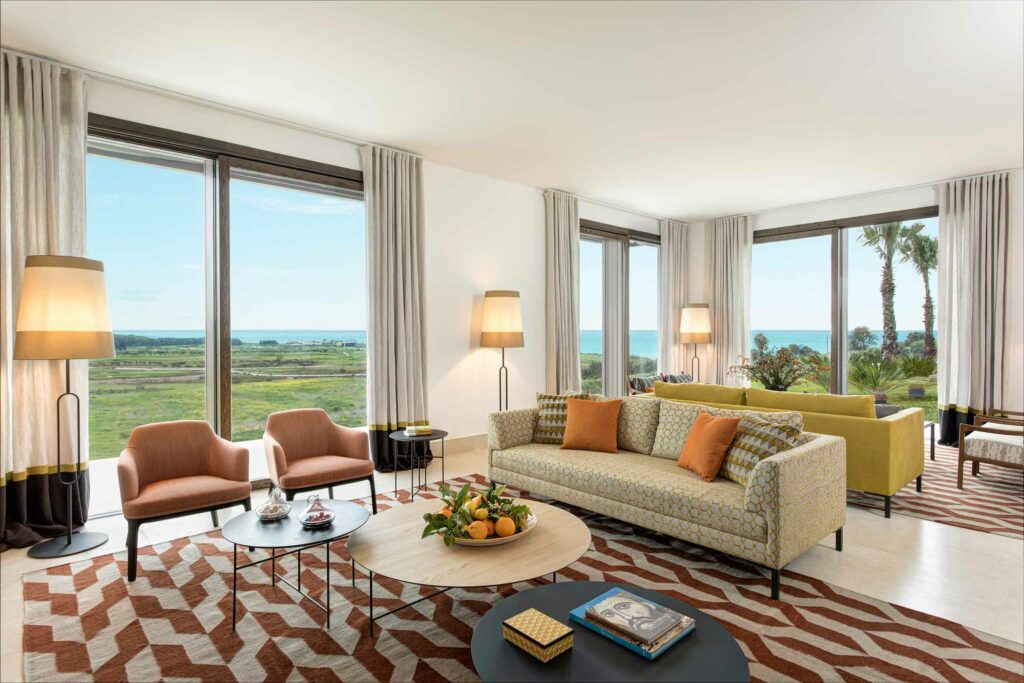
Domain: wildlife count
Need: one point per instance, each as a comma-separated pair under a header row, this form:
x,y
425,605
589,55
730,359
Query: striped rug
x,y
992,502
84,622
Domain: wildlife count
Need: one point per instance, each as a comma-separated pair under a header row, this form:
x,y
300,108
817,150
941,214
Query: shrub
x,y
777,369
878,378
917,366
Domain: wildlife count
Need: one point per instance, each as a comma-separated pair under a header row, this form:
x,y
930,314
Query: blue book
x,y
670,638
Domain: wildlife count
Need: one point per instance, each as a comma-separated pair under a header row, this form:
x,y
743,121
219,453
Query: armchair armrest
x,y
510,428
352,443
228,460
801,493
128,475
277,463
979,420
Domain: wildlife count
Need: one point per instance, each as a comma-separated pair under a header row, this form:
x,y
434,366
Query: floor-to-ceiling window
x,y
592,314
643,308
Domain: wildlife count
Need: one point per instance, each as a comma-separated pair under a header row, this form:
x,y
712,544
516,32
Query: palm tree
x,y
887,239
923,252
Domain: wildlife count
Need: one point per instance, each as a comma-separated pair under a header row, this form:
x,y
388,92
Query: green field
x,y
157,383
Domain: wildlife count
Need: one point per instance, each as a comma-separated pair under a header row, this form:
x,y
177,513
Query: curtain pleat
x,y
616,332
562,298
972,273
42,207
396,335
731,243
671,295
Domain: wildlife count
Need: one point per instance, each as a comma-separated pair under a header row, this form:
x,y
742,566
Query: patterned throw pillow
x,y
676,379
641,383
756,439
551,412
638,423
676,420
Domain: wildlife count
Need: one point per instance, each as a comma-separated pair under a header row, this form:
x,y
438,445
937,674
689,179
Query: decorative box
x,y
537,633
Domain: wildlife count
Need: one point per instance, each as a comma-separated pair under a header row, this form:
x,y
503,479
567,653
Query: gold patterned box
x,y
537,633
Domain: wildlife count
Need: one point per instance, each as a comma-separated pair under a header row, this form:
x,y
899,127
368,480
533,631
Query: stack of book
x,y
418,430
633,622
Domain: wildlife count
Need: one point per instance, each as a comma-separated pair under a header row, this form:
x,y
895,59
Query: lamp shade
x,y
502,320
695,324
63,312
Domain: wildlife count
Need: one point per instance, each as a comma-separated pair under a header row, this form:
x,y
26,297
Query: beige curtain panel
x,y
671,295
563,298
731,243
396,336
973,272
42,207
616,332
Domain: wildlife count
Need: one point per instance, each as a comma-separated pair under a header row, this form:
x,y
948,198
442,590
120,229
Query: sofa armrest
x,y
510,428
801,493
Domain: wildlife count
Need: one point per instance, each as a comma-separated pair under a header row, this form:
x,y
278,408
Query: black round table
x,y
401,437
249,530
708,653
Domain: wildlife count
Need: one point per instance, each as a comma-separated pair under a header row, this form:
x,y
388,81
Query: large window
x,y
643,308
592,314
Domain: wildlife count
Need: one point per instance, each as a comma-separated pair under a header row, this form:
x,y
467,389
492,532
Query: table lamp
x,y
63,315
502,328
695,328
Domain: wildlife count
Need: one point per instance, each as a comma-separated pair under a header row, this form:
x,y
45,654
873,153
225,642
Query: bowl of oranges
x,y
475,518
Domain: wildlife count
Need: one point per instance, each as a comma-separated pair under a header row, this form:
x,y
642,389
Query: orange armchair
x,y
306,451
171,469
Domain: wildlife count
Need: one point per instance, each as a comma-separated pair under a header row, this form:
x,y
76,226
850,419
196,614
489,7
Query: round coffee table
x,y
390,544
709,653
249,530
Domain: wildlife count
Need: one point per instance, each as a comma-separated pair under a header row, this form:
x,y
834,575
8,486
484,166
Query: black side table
x,y
401,437
708,654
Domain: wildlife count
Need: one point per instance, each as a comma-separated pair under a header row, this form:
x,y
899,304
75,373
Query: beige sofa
x,y
794,499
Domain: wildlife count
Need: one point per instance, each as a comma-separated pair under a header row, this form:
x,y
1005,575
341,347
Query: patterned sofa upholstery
x,y
794,499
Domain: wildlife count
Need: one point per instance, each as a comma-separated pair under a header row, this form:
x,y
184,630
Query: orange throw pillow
x,y
592,425
708,442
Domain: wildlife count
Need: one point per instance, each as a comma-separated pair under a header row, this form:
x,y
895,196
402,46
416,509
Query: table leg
x,y
327,579
353,573
931,428
371,604
554,577
273,566
298,568
234,583
442,459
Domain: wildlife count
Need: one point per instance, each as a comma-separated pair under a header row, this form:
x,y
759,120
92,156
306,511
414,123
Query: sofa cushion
x,y
756,439
829,404
641,481
641,383
676,419
712,393
638,423
592,425
551,412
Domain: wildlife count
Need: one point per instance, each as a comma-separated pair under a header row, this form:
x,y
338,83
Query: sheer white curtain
x,y
616,323
671,295
563,297
42,208
731,243
972,272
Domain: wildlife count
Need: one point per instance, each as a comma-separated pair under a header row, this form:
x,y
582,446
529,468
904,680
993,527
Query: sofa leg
x,y
919,482
839,540
373,498
213,516
133,547
775,584
888,507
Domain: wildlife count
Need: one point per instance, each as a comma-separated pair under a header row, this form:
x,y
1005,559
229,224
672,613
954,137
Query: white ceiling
x,y
688,110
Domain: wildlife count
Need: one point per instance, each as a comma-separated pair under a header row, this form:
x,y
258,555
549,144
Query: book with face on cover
x,y
632,616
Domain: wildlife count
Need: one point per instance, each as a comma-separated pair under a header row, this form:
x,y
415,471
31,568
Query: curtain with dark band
x,y
396,334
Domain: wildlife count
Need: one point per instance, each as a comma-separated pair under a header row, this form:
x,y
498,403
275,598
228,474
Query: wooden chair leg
x,y
975,468
133,547
960,473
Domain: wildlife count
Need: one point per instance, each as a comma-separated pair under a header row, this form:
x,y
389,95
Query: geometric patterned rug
x,y
83,621
992,502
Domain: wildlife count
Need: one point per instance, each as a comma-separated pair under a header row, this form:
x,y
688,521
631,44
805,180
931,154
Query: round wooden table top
x,y
389,544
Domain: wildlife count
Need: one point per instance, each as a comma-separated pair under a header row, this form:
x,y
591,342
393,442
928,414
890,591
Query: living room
x,y
717,305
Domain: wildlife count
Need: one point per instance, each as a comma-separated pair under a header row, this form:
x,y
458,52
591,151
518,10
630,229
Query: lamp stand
x,y
695,361
503,383
72,543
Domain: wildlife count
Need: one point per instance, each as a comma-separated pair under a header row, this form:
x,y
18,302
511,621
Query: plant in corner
x,y
777,369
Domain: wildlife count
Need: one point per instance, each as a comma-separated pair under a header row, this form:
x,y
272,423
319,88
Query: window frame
x,y
224,157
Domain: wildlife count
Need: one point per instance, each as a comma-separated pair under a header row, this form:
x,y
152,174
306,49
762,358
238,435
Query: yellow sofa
x,y
882,454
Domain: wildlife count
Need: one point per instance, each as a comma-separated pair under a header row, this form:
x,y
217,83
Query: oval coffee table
x,y
249,530
390,544
709,653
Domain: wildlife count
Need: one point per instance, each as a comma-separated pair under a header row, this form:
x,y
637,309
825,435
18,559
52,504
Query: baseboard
x,y
465,443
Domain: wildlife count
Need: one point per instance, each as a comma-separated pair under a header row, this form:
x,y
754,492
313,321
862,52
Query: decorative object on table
x,y
470,518
695,328
275,507
639,625
502,327
538,634
316,514
418,430
63,315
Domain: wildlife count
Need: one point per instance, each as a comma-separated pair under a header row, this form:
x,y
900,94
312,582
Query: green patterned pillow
x,y
756,439
638,424
551,412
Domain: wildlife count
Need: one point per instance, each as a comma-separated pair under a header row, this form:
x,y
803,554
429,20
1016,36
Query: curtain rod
x,y
209,104
615,206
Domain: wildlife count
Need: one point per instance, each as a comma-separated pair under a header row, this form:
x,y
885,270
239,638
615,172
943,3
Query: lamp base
x,y
59,547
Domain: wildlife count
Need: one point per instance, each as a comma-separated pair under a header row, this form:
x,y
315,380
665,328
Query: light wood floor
x,y
969,577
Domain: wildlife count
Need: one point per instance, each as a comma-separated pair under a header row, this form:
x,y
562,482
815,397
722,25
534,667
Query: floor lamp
x,y
63,315
695,328
502,328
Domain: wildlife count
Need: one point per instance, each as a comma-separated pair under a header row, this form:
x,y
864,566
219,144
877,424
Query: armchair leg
x,y
888,507
919,482
289,495
133,547
213,515
839,540
330,492
775,584
975,468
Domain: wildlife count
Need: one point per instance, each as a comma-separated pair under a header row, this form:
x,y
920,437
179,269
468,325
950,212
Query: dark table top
x,y
432,436
708,653
249,530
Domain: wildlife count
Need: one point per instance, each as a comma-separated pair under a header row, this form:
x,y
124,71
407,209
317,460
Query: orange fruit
x,y
504,527
478,531
446,511
481,513
490,527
